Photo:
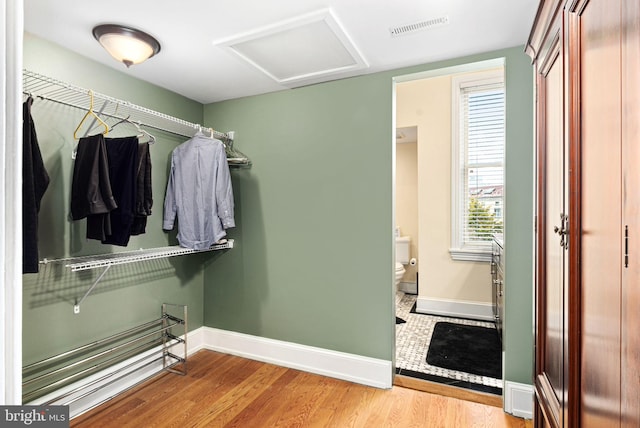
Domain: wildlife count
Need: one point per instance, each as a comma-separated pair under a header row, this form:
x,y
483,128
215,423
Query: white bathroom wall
x,y
427,104
407,200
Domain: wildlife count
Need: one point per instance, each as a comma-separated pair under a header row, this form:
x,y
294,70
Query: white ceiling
x,y
407,135
193,63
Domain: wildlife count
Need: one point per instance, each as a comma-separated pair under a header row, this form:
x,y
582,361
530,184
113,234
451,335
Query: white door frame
x,y
12,19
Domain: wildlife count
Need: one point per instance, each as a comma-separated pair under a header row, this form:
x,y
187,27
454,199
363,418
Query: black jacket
x,y
35,181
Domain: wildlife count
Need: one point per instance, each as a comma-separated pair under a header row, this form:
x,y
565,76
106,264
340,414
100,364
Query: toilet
x,y
402,257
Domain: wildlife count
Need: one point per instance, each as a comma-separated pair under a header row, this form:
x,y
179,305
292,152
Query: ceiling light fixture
x,y
126,44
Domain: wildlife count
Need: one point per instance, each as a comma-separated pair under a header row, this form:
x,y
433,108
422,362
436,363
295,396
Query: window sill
x,y
470,255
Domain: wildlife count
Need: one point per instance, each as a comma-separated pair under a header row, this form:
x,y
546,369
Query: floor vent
x,y
418,26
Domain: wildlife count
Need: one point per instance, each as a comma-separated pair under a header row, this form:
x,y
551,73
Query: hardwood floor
x,y
227,391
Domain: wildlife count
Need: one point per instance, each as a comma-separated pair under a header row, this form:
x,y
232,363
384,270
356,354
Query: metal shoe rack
x,y
80,373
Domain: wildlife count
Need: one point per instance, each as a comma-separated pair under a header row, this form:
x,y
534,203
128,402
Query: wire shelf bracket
x,y
76,306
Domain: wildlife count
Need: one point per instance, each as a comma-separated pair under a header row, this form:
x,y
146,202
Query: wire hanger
x,y
151,140
141,132
90,113
234,156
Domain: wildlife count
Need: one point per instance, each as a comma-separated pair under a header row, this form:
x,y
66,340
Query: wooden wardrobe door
x,y
551,337
630,380
596,31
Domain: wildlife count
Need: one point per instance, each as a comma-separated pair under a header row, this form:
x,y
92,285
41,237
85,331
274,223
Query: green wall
x,y
129,294
314,256
313,264
518,333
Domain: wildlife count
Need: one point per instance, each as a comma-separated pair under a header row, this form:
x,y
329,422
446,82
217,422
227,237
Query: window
x,y
478,140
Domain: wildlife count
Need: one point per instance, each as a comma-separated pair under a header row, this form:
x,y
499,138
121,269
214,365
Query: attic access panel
x,y
291,52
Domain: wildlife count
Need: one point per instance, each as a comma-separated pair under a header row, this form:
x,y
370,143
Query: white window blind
x,y
478,199
483,134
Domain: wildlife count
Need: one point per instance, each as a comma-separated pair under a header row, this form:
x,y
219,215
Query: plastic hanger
x,y
90,113
211,132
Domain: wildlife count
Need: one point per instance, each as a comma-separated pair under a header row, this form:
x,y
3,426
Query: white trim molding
x,y
455,308
11,16
350,367
408,287
518,399
469,255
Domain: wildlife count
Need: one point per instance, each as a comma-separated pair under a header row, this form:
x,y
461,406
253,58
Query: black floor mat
x,y
466,348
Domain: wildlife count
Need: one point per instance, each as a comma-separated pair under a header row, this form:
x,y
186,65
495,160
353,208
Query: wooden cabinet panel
x,y
554,331
551,337
601,197
588,295
630,406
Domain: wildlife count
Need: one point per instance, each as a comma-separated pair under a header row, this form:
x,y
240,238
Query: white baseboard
x,y
518,399
340,365
408,287
455,308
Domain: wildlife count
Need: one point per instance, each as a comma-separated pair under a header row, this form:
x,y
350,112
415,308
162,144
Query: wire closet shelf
x,y
81,263
106,261
50,89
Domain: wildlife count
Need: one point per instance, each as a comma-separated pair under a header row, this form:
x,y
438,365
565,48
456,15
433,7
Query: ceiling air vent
x,y
403,30
299,50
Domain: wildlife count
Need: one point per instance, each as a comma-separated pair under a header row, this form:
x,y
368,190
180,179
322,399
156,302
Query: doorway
x,y
454,284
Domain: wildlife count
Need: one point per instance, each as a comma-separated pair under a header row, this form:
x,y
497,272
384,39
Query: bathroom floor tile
x,y
412,344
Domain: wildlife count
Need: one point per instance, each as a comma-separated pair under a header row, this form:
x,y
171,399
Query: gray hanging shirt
x,y
199,193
